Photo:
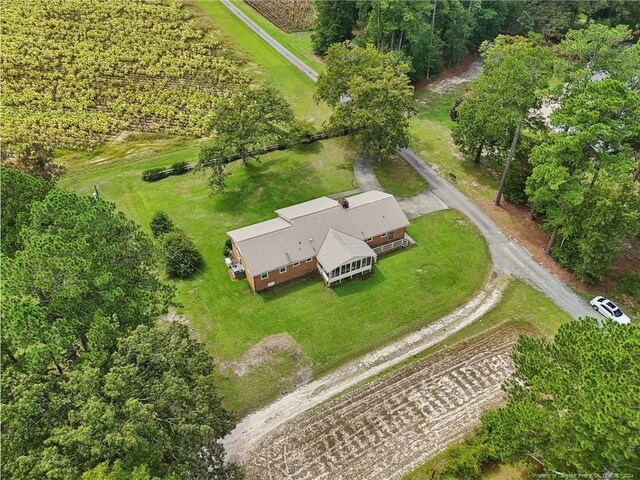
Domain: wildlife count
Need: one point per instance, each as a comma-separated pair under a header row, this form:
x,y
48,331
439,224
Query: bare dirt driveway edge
x,y
255,426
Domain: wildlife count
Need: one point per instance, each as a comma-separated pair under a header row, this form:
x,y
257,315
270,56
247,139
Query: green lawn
x,y
430,137
298,43
295,85
398,178
331,326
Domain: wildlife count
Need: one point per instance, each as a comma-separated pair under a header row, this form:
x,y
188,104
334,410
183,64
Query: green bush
x,y
161,224
464,460
629,284
178,168
226,251
182,258
155,174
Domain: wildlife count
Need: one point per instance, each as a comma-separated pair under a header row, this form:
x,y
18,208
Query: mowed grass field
x,y
397,177
295,85
409,289
298,43
430,137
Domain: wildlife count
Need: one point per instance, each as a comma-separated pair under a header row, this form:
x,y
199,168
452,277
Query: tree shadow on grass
x,y
264,189
308,148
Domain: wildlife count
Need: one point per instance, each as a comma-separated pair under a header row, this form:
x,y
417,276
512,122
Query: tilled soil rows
x,y
393,424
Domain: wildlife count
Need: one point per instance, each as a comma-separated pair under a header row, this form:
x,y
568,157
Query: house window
x,y
309,260
358,263
384,234
368,239
295,264
283,269
264,276
392,235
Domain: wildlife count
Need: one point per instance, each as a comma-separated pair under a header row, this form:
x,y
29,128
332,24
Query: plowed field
x,y
384,429
289,15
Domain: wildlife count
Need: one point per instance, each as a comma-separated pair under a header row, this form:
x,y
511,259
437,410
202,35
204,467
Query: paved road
x,y
508,255
421,204
300,65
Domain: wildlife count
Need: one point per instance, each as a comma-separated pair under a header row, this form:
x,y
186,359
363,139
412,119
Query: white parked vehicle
x,y
609,309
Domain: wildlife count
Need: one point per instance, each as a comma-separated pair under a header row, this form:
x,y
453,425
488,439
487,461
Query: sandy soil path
x,y
255,426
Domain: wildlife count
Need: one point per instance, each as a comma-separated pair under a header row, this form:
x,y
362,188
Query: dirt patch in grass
x,y
262,353
458,73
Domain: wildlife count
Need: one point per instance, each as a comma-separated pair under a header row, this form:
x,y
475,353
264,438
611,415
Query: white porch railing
x,y
403,242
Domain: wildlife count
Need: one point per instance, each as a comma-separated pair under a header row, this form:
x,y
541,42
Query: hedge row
x,y
178,168
155,174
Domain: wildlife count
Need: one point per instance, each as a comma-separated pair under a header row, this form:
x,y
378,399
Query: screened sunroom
x,y
342,257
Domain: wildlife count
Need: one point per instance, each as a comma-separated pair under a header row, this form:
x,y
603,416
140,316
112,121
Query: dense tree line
x,y
571,407
431,34
92,386
578,165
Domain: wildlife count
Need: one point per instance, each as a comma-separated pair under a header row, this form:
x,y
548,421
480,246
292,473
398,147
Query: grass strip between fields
x,y
295,85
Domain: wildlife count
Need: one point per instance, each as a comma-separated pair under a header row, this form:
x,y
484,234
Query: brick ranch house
x,y
338,238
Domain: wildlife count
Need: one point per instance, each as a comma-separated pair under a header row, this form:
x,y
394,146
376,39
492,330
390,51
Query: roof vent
x,y
344,202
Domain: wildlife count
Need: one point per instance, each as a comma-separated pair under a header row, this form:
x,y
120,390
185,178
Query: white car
x,y
609,309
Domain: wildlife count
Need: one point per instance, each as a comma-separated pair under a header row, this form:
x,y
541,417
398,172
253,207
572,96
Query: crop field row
x,y
289,15
76,71
391,425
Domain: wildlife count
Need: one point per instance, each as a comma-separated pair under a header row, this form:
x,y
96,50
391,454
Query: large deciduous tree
x,y
572,404
85,275
370,95
150,410
36,159
243,124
